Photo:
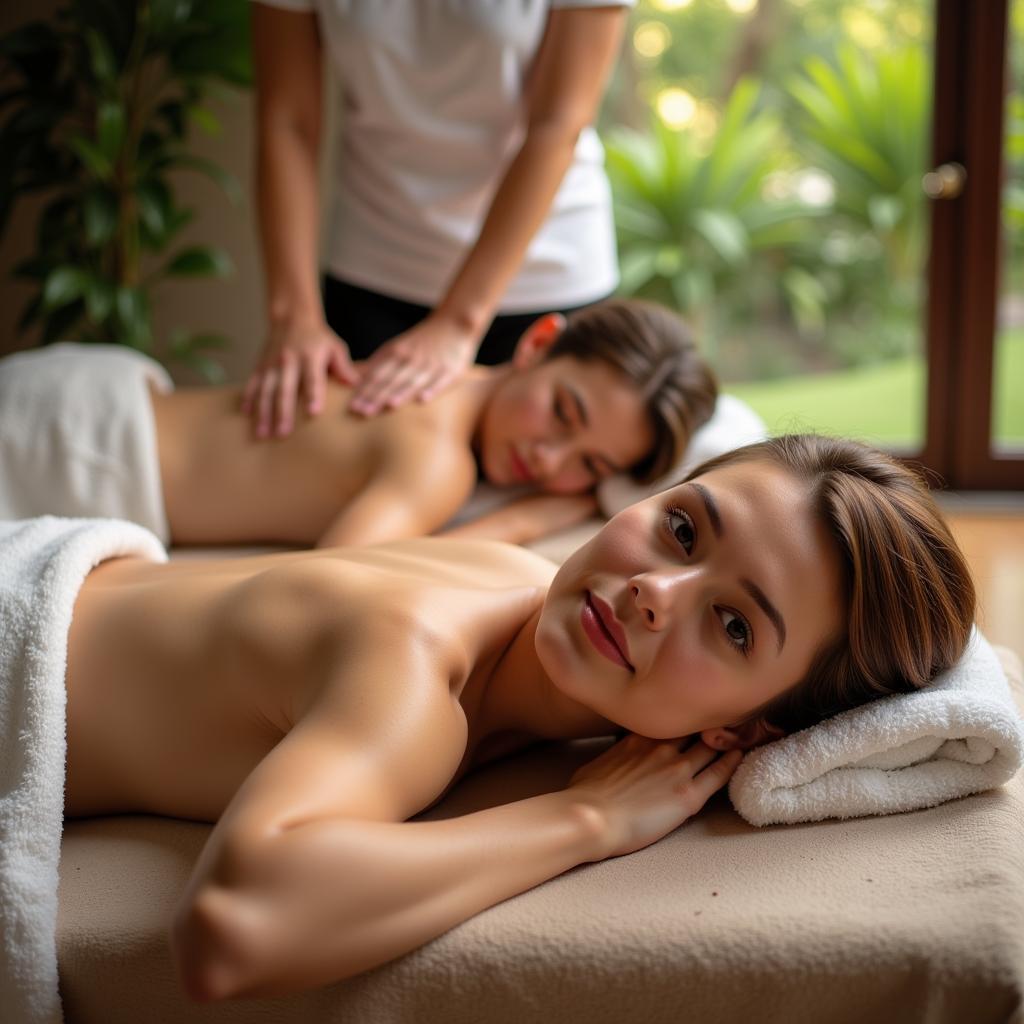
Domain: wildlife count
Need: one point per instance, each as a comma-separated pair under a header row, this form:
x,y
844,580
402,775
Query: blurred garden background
x,y
767,159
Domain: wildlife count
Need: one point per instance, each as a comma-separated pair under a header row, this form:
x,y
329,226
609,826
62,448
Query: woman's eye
x,y
737,630
680,525
561,413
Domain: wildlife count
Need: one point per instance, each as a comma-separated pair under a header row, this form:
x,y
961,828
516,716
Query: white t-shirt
x,y
432,114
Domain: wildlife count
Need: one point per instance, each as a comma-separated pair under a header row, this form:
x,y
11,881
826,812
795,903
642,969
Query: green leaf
x,y
200,260
206,120
99,298
63,285
132,311
228,182
110,124
155,208
724,232
99,216
101,58
636,268
94,160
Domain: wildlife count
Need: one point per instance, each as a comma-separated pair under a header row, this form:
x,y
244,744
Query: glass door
x,y
767,159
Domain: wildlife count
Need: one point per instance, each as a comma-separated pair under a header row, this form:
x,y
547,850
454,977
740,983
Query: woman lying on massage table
x,y
311,702
620,387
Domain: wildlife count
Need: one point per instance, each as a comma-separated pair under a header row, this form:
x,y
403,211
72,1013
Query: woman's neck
x,y
519,696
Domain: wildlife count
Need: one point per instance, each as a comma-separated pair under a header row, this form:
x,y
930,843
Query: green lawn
x,y
883,404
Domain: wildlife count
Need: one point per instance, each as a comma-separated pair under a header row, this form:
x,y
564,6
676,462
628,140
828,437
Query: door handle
x,y
946,181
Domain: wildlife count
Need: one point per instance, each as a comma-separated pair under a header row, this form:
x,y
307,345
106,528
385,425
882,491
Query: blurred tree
x,y
96,106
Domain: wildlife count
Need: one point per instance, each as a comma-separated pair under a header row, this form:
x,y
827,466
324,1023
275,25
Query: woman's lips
x,y
520,470
603,630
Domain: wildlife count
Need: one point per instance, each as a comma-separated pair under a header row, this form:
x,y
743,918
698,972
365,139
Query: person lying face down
x,y
619,388
330,696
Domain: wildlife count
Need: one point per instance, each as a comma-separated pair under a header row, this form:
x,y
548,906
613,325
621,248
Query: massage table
x,y
909,917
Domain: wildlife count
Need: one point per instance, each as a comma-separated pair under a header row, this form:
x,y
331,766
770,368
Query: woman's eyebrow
x,y
715,518
710,507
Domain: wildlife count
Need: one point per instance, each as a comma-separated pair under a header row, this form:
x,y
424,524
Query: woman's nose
x,y
549,458
660,595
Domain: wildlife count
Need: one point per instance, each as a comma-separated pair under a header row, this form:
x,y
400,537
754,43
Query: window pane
x,y
767,157
1008,377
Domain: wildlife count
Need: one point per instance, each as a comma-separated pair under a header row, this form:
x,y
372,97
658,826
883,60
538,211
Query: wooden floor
x,y
994,546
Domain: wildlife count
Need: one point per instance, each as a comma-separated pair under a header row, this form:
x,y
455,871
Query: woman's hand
x,y
417,364
297,359
642,789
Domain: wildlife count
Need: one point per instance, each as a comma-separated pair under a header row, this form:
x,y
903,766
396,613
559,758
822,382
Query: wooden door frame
x,y
964,264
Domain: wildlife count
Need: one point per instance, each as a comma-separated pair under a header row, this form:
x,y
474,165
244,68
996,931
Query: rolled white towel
x,y
960,735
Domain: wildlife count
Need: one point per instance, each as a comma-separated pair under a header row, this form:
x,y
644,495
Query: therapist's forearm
x,y
520,205
289,212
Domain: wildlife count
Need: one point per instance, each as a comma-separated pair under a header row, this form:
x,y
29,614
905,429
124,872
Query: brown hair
x,y
908,592
651,347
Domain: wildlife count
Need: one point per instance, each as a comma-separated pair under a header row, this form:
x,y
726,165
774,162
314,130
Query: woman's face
x,y
690,610
561,425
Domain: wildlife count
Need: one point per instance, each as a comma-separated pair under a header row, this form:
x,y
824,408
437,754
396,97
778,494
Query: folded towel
x,y
77,436
960,735
42,565
732,424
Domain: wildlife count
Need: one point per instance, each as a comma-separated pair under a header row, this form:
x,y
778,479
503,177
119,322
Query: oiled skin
x,y
220,485
182,677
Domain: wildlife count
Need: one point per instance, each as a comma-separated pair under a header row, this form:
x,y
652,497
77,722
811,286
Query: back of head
x,y
909,596
651,347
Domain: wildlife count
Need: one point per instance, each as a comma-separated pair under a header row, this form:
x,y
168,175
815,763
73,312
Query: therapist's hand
x,y
296,361
414,365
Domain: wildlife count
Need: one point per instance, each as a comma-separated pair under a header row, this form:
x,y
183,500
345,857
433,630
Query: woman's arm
x,y
300,348
565,88
310,877
527,519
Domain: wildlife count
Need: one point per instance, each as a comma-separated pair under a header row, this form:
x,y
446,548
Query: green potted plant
x,y
96,106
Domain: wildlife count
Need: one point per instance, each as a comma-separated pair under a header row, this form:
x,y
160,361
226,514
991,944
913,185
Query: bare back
x,y
221,485
183,677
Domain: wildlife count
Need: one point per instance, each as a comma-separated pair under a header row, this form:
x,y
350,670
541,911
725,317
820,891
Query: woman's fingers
x,y
252,389
287,389
340,365
380,377
265,402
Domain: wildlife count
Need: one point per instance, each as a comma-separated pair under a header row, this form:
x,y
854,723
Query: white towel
x,y
960,735
77,436
43,563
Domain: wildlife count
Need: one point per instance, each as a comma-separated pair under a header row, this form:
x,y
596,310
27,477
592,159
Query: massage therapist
x,y
469,195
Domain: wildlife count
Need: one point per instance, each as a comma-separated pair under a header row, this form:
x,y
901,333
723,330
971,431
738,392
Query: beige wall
x,y
232,306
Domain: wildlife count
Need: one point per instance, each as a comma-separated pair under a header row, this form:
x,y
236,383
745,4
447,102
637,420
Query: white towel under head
x,y
960,735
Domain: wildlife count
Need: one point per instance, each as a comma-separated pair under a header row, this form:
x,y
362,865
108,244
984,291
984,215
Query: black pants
x,y
367,319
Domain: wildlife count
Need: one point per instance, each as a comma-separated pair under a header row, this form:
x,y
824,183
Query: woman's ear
x,y
742,737
537,339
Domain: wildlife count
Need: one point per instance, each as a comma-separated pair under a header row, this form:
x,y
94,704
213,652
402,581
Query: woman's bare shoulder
x,y
487,562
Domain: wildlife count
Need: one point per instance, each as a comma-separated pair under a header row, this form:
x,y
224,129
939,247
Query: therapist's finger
x,y
252,388
340,364
377,384
287,388
314,381
413,388
443,379
265,402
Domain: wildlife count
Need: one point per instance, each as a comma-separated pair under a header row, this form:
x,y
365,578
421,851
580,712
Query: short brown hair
x,y
651,347
909,597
